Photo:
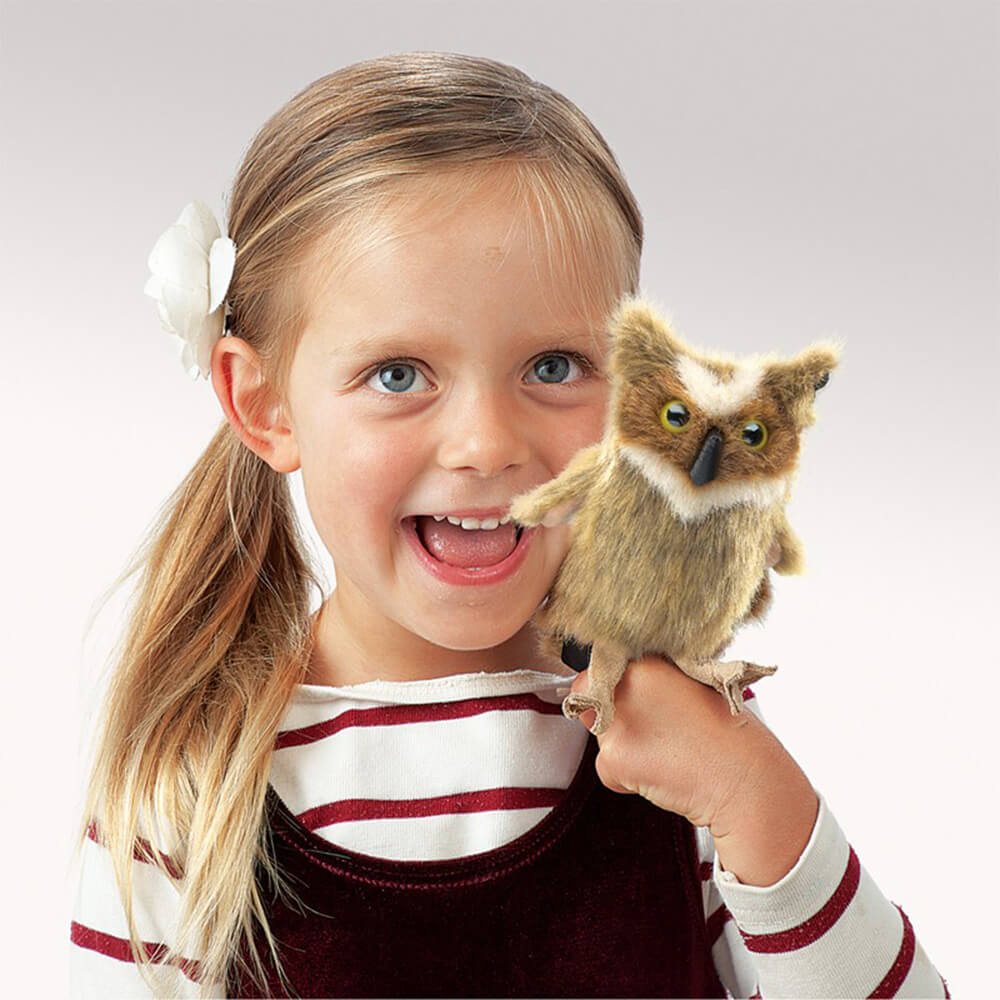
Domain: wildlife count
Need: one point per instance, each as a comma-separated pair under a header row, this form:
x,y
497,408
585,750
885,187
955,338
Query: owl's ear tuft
x,y
796,381
643,340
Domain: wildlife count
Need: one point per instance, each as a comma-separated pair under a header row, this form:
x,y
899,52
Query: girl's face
x,y
444,373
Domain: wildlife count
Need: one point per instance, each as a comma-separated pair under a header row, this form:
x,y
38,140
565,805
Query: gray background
x,y
805,169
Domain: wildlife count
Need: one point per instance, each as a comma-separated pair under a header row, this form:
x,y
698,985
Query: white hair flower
x,y
192,264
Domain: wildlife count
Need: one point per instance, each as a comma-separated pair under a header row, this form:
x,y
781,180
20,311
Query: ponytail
x,y
221,636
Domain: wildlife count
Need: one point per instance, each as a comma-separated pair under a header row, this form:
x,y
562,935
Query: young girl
x,y
384,798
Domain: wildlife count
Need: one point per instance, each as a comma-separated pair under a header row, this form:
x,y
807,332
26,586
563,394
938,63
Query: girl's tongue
x,y
455,545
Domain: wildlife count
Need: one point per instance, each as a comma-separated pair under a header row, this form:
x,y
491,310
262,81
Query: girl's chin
x,y
464,629
480,623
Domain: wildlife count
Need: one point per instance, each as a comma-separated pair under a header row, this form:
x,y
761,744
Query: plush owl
x,y
674,511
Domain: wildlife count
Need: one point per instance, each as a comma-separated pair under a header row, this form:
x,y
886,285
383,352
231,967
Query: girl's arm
x,y
789,907
823,929
101,964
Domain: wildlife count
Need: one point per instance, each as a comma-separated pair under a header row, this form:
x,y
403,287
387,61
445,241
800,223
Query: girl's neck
x,y
340,657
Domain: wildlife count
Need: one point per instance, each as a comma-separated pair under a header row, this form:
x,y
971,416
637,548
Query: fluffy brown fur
x,y
666,557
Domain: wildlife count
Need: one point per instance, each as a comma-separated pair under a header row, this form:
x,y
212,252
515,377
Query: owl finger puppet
x,y
674,511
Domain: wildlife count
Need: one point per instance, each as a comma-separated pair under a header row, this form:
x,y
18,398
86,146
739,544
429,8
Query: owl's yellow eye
x,y
754,434
675,416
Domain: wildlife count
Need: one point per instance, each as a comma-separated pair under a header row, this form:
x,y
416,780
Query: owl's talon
x,y
733,694
574,705
732,676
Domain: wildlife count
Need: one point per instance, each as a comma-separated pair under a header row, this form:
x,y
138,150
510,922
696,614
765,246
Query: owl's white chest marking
x,y
714,397
692,503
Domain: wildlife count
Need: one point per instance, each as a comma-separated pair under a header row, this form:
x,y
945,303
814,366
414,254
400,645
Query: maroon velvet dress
x,y
602,898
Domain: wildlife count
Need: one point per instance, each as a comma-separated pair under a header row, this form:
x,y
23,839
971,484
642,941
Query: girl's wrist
x,y
765,824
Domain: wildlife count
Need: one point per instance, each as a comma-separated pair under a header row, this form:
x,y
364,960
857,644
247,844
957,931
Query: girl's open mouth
x,y
456,555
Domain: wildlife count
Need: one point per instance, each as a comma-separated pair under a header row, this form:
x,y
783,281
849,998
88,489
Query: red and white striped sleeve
x,y
100,960
823,930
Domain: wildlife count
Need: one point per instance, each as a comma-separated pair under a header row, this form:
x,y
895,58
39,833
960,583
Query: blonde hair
x,y
220,631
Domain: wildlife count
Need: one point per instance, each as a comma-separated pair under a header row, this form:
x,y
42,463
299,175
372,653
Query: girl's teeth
x,y
473,523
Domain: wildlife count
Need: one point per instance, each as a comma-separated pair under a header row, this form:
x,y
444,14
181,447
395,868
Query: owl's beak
x,y
706,462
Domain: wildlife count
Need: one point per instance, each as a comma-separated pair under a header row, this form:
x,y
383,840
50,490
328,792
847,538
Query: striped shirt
x,y
452,766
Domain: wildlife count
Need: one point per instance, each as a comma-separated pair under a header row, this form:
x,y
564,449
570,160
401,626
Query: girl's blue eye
x,y
395,377
552,369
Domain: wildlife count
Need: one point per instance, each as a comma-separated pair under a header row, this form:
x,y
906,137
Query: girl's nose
x,y
483,433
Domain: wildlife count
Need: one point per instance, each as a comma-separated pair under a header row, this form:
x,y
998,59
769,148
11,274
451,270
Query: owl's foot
x,y
608,661
730,677
574,705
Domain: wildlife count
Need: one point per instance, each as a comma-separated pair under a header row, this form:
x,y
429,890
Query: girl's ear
x,y
251,405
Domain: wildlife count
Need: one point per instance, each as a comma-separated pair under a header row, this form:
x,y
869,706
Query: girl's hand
x,y
674,742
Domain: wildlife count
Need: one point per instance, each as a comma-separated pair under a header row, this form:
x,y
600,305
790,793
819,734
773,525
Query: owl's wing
x,y
558,499
792,559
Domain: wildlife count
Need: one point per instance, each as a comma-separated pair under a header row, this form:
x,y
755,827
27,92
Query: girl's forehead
x,y
372,310
506,201
414,253
353,324
428,249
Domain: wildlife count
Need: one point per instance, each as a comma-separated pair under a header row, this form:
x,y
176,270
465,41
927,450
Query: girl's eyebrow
x,y
386,344
399,343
